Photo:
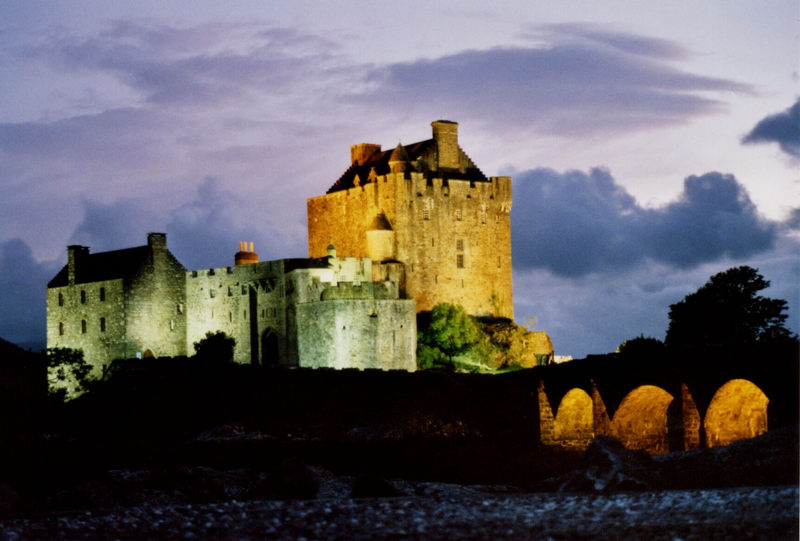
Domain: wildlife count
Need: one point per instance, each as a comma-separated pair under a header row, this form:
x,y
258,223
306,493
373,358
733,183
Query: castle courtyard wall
x,y
357,333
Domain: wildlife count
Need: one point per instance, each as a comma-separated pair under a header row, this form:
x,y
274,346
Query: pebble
x,y
454,512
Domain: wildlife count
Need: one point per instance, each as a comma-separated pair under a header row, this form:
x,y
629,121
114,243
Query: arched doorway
x,y
270,354
738,410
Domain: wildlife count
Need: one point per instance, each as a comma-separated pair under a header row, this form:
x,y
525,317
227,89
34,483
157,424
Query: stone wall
x,y
154,304
357,333
453,237
79,317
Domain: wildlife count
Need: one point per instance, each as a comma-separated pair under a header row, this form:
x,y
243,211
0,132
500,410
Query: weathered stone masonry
x,y
324,312
428,207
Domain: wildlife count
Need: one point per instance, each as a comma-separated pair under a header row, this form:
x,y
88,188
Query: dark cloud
x,y
782,128
576,223
570,87
23,283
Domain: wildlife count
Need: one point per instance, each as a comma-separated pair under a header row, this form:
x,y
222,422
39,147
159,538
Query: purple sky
x,y
651,145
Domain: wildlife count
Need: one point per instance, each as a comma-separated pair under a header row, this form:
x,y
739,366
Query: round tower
x,y
380,239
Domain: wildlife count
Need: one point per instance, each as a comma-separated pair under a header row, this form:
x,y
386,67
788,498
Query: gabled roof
x,y
415,151
103,266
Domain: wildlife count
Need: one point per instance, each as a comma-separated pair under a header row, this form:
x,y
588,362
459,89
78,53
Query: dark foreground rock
x,y
607,466
443,512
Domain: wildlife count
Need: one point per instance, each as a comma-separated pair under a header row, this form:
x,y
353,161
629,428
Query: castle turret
x,y
399,160
380,239
245,256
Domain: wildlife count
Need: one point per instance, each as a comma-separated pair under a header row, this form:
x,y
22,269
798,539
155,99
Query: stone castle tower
x,y
427,217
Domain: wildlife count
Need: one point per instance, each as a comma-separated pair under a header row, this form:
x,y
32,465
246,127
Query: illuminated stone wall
x,y
276,311
77,325
135,314
454,236
155,321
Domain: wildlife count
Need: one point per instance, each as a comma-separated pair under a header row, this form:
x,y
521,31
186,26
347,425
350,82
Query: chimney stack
x,y
445,133
75,256
245,256
361,152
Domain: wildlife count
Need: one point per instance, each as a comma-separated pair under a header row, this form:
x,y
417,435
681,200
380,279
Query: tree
x,y
450,331
727,310
68,373
216,346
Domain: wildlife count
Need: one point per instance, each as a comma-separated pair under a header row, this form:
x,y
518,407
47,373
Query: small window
x,y
102,294
433,242
83,296
244,290
460,261
230,291
83,326
460,245
498,262
212,292
483,218
61,299
102,324
426,214
459,215
230,316
61,328
244,314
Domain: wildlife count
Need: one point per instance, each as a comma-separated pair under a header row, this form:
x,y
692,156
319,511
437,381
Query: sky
x,y
651,144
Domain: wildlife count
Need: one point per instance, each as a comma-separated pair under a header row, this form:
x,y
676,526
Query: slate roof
x,y
380,161
103,266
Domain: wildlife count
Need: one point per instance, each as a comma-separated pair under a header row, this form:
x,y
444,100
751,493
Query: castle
x,y
418,225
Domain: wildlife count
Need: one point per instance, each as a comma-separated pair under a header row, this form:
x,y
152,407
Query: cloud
x,y
601,81
202,65
22,294
782,128
577,223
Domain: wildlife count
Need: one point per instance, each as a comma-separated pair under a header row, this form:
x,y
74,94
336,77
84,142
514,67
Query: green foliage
x,y
216,346
727,311
68,373
449,338
448,332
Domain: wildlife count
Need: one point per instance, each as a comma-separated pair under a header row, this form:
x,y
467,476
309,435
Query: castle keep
x,y
427,207
415,226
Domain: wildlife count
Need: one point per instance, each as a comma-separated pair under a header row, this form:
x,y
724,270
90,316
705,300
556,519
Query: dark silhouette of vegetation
x,y
68,373
728,311
642,347
216,346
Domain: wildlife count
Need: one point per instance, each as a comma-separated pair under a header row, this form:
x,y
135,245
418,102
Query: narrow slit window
x,y
102,324
102,294
460,261
460,245
61,299
83,296
83,326
61,328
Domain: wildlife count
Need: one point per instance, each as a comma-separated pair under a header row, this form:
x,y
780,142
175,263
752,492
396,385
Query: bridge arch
x,y
573,425
642,419
738,410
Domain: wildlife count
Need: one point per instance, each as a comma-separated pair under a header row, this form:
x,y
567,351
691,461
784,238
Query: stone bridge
x,y
670,401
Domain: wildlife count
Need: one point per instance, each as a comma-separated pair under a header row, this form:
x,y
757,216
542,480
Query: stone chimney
x,y
445,133
362,151
157,242
245,256
75,256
